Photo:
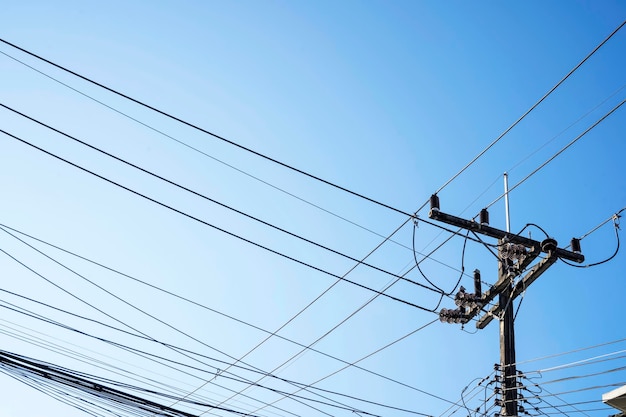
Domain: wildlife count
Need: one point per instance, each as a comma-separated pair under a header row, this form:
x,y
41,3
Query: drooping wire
x,y
616,227
417,264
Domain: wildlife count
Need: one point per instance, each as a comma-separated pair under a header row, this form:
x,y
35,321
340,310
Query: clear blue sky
x,y
387,99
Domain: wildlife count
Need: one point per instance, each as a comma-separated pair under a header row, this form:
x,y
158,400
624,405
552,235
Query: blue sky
x,y
387,99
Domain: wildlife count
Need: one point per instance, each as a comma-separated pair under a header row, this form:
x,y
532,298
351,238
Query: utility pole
x,y
515,254
507,338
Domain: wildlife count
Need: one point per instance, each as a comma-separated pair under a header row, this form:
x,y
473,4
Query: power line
x,y
200,129
210,156
83,358
2,227
181,351
215,227
46,373
198,194
530,109
333,329
207,198
125,302
136,351
194,218
350,316
569,352
265,374
559,152
262,372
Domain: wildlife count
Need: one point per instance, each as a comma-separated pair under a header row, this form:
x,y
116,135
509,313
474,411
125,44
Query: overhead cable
x,y
48,374
213,226
200,129
559,152
241,171
2,226
569,352
530,109
198,194
160,358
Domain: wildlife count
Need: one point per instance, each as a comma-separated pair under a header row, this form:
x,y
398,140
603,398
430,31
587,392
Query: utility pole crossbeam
x,y
487,230
515,254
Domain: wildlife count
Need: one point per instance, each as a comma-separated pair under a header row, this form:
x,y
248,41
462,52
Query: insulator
x,y
434,202
443,315
461,297
484,217
576,245
548,245
477,284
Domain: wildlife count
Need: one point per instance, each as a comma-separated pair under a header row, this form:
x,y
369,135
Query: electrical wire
x,y
395,298
359,309
216,159
616,227
511,126
345,320
85,383
205,131
569,352
258,245
139,332
204,197
417,264
255,370
596,387
573,141
2,226
352,259
523,115
575,122
583,362
322,337
108,180
531,108
159,358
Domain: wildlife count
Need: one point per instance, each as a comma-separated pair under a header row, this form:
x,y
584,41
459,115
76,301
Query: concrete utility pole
x,y
515,254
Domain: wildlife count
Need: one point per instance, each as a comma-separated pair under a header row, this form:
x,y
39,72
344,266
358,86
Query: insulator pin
x,y
576,245
434,202
484,217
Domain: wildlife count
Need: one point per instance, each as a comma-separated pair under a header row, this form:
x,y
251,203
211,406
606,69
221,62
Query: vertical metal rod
x,y
506,202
